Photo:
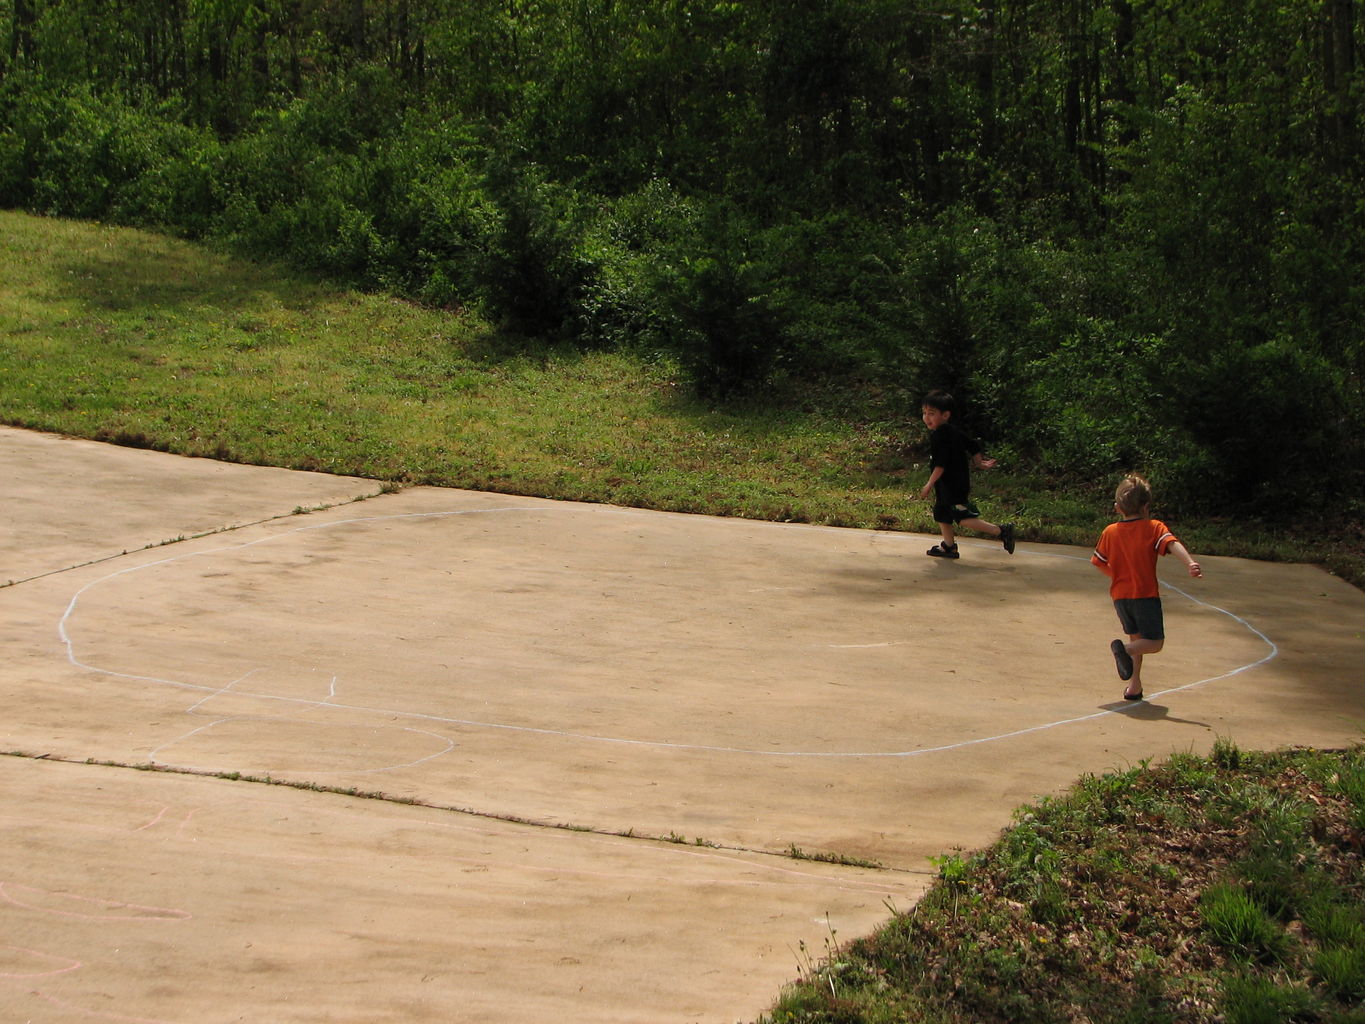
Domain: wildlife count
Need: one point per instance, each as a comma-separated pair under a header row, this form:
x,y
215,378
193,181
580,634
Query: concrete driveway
x,y
280,747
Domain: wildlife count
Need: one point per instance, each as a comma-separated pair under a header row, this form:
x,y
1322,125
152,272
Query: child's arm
x,y
1099,558
933,479
1182,553
981,462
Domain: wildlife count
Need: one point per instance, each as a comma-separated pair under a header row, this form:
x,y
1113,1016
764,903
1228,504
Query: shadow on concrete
x,y
1146,711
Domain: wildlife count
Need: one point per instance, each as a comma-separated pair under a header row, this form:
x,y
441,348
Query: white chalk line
x,y
866,647
154,756
595,738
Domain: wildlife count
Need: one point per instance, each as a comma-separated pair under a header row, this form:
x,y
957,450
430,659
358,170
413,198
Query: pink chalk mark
x,y
160,814
46,902
180,832
67,964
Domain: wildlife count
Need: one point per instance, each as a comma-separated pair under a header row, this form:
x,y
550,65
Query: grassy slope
x,y
132,337
126,336
1221,890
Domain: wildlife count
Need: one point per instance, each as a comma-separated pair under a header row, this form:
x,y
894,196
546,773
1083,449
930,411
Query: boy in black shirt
x,y
951,456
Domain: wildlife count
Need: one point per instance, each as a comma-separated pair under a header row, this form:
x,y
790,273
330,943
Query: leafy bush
x,y
531,271
1274,415
808,296
179,192
627,242
430,203
62,155
716,290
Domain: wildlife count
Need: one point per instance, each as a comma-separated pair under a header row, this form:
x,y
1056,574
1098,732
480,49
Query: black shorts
x,y
1141,616
954,512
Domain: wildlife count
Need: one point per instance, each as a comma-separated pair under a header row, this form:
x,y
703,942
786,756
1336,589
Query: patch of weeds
x,y
796,853
1226,755
1251,999
1030,855
952,869
1280,869
1349,782
1187,773
953,872
1341,972
1239,924
1335,924
1112,797
1274,882
1233,801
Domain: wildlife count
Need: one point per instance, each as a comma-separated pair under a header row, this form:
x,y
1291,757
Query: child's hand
x,y
981,462
1195,570
925,491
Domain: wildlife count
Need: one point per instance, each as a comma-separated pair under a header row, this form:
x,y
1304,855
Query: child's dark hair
x,y
940,400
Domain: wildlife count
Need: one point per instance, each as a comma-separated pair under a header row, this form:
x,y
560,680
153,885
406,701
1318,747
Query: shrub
x,y
430,204
626,242
717,292
59,150
1275,418
531,271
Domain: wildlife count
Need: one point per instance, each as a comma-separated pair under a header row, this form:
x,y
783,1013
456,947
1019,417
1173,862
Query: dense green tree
x,y
1121,227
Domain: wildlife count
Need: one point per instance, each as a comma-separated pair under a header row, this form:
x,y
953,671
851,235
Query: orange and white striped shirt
x,y
1127,554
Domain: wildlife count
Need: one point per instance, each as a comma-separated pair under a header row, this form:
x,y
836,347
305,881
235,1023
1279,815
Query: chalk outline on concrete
x,y
332,705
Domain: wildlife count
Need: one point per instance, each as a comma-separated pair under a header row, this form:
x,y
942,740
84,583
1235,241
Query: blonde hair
x,y
1133,495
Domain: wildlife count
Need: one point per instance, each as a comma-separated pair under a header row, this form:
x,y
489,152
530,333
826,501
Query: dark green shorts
x,y
945,512
1141,616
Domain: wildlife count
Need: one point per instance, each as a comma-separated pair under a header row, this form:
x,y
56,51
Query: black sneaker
x,y
941,550
1007,537
1123,661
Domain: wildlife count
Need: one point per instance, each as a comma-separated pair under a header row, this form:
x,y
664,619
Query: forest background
x,y
1126,233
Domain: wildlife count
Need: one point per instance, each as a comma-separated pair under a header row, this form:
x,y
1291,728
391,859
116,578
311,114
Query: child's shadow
x,y
1149,712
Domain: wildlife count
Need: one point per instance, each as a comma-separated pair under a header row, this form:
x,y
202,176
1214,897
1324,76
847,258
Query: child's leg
x,y
981,526
1003,533
946,548
1137,646
1142,620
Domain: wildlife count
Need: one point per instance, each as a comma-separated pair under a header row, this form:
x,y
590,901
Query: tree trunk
x,y
1338,64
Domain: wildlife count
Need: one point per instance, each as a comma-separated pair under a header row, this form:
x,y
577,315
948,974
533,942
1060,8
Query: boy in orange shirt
x,y
1127,554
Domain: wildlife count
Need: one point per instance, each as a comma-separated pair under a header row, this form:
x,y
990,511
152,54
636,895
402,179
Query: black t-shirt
x,y
952,449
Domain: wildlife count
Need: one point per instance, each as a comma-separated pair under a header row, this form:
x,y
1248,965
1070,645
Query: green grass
x,y
1129,899
132,337
1223,888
